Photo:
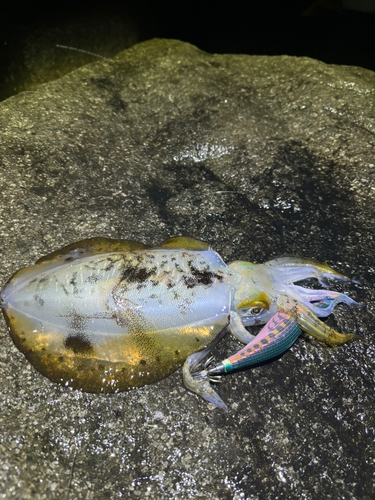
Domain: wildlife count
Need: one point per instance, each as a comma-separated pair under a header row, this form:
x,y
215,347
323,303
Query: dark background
x,y
321,29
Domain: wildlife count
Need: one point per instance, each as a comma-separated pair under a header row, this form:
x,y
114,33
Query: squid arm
x,y
280,333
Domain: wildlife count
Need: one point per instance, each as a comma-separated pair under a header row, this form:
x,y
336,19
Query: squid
x,y
106,315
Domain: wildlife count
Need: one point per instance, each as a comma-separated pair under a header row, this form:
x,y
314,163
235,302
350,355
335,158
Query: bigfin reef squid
x,y
105,315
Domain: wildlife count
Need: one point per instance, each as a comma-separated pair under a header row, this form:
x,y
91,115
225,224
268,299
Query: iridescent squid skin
x,y
105,315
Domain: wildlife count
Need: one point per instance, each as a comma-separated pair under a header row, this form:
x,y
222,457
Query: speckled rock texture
x,y
259,156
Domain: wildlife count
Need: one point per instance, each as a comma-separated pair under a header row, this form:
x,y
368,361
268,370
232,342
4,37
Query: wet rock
x,y
260,156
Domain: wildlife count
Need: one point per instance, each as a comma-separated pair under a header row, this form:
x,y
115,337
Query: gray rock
x,y
260,156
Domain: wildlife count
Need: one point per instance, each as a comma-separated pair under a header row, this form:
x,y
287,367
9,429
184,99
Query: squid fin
x,y
91,246
184,242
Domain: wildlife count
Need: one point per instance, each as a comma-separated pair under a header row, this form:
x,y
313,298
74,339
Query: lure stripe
x,y
274,338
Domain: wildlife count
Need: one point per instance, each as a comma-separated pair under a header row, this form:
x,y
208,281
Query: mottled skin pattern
x,y
109,321
107,315
267,294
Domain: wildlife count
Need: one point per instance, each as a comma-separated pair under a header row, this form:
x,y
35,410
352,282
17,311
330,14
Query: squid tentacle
x,y
295,274
322,302
201,386
280,333
289,309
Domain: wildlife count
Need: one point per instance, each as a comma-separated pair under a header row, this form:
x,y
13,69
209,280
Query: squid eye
x,y
255,311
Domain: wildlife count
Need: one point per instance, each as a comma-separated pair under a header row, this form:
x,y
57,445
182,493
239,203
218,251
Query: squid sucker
x,y
106,315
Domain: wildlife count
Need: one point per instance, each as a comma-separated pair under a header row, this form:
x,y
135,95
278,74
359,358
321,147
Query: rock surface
x,y
260,156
